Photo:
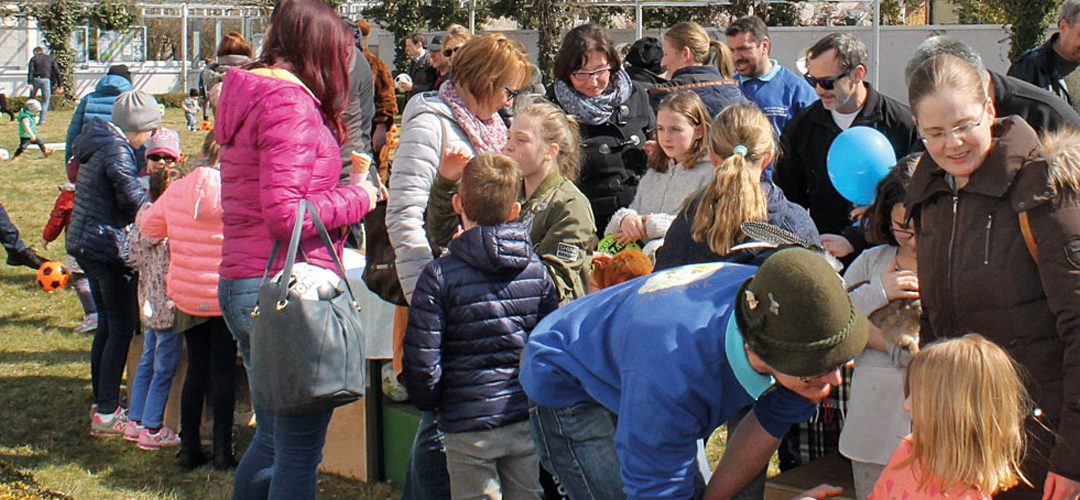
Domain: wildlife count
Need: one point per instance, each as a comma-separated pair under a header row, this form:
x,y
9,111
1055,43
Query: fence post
x,y
184,47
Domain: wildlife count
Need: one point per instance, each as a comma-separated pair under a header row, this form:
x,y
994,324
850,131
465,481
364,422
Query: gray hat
x,y
136,111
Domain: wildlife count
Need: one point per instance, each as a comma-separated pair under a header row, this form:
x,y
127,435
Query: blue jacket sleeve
x,y
75,127
778,410
656,439
422,357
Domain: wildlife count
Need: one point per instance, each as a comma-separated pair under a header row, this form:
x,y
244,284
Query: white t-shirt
x,y
843,120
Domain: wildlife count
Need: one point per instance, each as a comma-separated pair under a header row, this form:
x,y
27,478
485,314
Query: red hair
x,y
308,38
234,44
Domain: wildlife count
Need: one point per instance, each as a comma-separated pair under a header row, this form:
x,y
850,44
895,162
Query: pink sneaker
x,y
164,437
108,425
132,430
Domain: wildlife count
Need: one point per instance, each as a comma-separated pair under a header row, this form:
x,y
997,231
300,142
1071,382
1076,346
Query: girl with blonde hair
x,y
741,145
697,63
678,167
967,435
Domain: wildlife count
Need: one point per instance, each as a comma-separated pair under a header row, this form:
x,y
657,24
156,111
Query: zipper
x,y
986,246
949,266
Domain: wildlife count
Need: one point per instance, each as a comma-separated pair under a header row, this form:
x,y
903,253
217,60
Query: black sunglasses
x,y
449,52
825,83
156,157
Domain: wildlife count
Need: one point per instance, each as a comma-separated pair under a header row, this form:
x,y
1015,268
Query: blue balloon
x,y
858,159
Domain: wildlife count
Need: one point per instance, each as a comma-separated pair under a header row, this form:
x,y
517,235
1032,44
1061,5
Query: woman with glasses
x,y
883,284
999,253
614,115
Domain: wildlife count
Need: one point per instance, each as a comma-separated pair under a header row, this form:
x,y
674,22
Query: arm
x,y
287,158
54,72
616,219
152,221
422,358
789,173
677,239
869,295
737,468
442,222
122,173
60,216
25,123
415,167
75,127
566,246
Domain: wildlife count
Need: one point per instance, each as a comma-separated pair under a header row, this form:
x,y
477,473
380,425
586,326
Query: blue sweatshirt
x,y
780,93
663,353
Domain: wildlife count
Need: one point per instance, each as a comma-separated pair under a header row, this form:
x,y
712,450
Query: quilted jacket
x,y
107,194
189,214
276,151
468,324
97,103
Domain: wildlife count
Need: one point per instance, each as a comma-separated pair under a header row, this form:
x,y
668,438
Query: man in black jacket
x,y
42,71
420,69
18,254
1055,65
1044,111
837,69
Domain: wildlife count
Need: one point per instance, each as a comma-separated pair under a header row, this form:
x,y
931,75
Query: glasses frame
x,y
827,83
154,158
450,52
584,76
899,230
960,131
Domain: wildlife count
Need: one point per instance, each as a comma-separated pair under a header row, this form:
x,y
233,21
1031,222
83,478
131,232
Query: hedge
x,y
171,100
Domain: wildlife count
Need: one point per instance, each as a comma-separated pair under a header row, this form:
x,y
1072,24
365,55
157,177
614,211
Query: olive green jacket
x,y
560,222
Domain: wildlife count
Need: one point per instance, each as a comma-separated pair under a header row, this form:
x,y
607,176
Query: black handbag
x,y
306,353
380,270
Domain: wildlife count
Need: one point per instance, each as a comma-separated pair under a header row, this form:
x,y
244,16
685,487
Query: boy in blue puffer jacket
x,y
471,315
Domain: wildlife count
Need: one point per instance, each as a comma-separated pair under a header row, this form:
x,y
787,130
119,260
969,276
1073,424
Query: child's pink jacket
x,y
189,214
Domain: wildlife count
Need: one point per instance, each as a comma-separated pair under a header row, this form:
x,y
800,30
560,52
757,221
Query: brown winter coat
x,y
385,101
977,275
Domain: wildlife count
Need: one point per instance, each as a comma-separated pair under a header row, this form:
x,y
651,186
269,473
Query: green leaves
x,y
114,15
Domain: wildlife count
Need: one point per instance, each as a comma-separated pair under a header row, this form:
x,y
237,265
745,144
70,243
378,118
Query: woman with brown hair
x,y
697,63
234,52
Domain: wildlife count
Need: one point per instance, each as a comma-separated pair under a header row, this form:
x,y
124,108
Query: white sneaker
x,y
89,324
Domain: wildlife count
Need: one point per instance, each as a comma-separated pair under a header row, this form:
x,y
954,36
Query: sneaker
x,y
25,257
89,324
109,425
163,438
132,430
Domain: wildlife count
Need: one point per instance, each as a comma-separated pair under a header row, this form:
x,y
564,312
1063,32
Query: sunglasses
x,y
449,52
156,158
825,83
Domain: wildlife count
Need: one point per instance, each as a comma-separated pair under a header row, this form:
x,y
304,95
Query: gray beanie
x,y
136,111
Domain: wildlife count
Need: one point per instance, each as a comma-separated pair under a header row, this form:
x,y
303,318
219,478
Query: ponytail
x,y
720,54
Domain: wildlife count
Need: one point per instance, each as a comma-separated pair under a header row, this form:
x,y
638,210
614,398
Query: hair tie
x,y
740,150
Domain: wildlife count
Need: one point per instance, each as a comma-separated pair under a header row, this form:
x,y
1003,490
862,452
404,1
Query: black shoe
x,y
224,459
189,457
25,257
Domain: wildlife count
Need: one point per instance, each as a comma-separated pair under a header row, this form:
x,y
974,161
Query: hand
x,y
453,163
631,228
1060,488
367,186
59,90
650,147
384,194
33,138
837,245
821,492
378,137
900,285
44,244
403,87
859,211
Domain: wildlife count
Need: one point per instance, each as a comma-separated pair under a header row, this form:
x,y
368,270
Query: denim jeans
x,y
282,460
192,122
427,477
153,379
577,445
114,287
43,85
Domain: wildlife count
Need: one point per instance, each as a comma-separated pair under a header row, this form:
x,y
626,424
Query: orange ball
x,y
53,275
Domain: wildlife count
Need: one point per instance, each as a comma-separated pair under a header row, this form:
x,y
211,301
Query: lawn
x,y
45,448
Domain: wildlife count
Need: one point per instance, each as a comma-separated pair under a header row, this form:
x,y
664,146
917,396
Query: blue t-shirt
x,y
664,354
780,93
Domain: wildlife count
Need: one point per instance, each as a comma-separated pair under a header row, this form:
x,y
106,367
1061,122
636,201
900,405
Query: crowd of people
x,y
579,304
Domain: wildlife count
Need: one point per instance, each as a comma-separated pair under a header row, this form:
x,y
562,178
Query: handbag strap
x,y
294,244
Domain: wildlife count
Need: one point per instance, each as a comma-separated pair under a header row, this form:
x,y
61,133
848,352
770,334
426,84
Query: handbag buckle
x,y
281,305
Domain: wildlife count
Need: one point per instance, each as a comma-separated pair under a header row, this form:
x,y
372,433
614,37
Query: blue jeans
x,y
282,460
577,445
192,123
427,475
43,85
153,379
114,287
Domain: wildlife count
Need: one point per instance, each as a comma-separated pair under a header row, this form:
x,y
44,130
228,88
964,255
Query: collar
x,y
754,383
282,74
548,184
869,114
769,75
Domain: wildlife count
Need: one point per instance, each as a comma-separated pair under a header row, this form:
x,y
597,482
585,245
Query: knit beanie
x,y
33,105
795,314
136,111
164,141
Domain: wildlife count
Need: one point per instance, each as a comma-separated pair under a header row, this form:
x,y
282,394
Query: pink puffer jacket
x,y
189,215
276,151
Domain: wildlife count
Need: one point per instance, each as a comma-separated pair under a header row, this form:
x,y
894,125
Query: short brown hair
x,y
489,188
234,44
577,43
749,24
487,62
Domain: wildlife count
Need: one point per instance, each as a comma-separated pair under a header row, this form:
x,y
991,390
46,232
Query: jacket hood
x,y
231,60
426,102
243,91
1062,151
206,186
112,85
494,249
95,136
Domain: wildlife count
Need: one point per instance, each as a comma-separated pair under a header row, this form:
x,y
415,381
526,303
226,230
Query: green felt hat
x,y
795,314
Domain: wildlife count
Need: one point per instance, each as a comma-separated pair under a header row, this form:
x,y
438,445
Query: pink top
x,y
902,483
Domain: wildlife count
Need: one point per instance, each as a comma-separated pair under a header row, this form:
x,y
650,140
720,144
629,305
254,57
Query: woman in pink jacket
x,y
279,126
189,215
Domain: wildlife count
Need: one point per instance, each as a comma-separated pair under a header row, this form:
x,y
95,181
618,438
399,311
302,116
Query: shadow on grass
x,y
41,323
51,357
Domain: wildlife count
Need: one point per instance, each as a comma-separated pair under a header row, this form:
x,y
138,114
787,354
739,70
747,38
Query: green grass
x,y
45,448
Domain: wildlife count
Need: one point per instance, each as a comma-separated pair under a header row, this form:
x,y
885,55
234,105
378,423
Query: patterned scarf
x,y
594,110
486,136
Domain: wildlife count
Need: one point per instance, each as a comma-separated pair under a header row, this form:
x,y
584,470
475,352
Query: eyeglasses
x,y
584,76
156,158
450,52
960,131
901,231
815,378
510,94
825,83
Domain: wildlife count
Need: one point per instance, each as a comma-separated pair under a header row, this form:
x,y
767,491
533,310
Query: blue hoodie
x,y
663,353
97,103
